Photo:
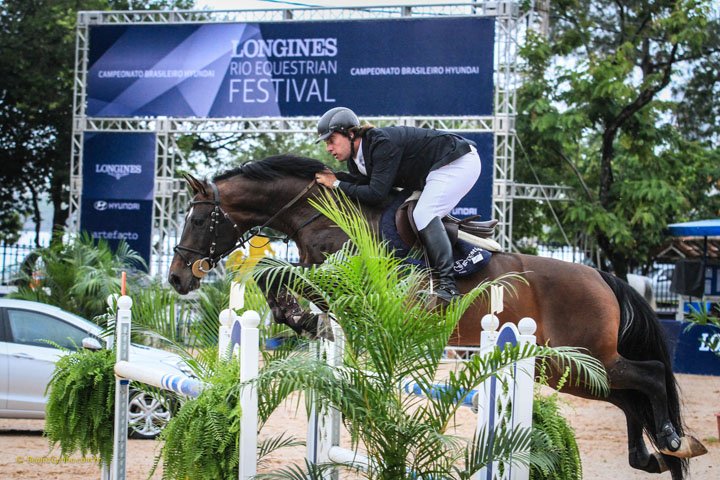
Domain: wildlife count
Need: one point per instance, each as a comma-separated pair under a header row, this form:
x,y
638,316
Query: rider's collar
x,y
360,159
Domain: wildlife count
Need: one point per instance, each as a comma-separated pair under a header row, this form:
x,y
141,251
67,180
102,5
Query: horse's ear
x,y
197,185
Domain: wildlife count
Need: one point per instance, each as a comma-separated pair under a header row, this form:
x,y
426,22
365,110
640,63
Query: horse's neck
x,y
314,237
253,203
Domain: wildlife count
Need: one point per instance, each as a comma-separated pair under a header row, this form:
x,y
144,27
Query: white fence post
x,y
516,398
125,371
120,432
329,419
249,350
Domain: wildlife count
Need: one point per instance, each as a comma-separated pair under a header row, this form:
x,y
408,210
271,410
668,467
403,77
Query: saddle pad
x,y
469,258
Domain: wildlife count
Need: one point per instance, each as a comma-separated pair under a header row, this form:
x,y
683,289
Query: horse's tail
x,y
641,337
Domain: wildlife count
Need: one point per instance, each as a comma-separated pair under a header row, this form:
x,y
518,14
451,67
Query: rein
x,y
202,266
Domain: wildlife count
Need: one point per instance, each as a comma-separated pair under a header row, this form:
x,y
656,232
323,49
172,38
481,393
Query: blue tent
x,y
699,228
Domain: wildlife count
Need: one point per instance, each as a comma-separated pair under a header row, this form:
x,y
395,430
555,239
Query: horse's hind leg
x,y
638,455
648,378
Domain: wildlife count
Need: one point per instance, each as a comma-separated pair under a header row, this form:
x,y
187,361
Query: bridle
x,y
209,260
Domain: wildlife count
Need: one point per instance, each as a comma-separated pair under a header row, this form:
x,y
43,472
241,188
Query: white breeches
x,y
445,187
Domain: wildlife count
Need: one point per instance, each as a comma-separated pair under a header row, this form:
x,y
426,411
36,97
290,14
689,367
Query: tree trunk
x,y
59,196
37,218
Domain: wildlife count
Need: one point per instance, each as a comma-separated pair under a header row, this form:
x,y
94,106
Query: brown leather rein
x,y
202,266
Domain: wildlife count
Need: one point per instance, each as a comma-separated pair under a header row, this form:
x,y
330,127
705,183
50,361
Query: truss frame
x,y
170,198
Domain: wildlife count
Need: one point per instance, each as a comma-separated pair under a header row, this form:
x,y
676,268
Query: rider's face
x,y
338,145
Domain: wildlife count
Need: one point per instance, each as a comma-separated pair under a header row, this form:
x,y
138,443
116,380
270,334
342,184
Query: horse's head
x,y
208,235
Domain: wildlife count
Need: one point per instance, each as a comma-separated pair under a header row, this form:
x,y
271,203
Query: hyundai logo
x,y
100,205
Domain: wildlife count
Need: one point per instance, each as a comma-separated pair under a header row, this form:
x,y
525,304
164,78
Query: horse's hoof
x,y
689,447
661,465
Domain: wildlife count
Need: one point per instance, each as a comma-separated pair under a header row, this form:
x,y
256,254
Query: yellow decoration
x,y
259,248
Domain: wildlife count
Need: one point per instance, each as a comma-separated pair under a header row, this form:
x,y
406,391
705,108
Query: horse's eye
x,y
198,221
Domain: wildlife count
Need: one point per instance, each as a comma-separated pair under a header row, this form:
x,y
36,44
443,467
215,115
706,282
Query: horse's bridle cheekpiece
x,y
202,266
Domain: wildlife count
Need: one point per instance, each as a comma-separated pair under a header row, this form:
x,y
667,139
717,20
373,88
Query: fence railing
x,y
11,258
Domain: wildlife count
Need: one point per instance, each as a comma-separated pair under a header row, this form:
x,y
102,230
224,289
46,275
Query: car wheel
x,y
147,414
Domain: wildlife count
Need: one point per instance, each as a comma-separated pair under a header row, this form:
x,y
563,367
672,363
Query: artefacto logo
x,y
116,235
118,170
102,205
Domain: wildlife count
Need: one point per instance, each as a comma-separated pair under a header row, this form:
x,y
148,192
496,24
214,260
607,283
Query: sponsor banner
x,y
119,165
414,66
118,186
113,220
478,201
693,353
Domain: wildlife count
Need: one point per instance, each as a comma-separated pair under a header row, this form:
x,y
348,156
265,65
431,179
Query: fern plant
x,y
201,441
80,408
554,434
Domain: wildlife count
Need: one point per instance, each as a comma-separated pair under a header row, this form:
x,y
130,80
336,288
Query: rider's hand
x,y
325,178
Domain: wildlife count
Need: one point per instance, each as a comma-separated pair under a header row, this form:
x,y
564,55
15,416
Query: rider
x,y
443,165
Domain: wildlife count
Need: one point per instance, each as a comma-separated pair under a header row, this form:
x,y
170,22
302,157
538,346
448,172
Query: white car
x,y
27,362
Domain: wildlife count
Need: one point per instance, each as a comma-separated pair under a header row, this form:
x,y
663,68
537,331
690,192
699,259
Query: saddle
x,y
407,229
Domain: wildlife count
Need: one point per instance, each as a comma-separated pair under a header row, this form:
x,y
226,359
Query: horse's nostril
x,y
173,279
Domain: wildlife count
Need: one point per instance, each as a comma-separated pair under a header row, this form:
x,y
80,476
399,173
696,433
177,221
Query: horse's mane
x,y
276,166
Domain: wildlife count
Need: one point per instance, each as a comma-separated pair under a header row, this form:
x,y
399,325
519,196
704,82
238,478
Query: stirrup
x,y
448,294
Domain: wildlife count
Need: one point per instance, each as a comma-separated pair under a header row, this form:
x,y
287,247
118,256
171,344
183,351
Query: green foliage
x,y
76,273
555,434
202,440
705,316
267,144
208,152
10,223
593,117
392,335
80,409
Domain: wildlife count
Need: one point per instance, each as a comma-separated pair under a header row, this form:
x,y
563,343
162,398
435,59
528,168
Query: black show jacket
x,y
399,157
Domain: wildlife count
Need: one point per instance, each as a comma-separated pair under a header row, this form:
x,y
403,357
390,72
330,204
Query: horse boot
x,y
439,253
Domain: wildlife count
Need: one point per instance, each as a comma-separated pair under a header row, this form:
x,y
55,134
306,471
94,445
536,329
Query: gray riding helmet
x,y
338,119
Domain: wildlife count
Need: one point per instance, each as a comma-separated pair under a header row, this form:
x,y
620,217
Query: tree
x,y
203,152
37,45
596,114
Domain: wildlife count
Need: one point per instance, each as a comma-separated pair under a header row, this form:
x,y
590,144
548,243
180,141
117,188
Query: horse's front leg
x,y
286,309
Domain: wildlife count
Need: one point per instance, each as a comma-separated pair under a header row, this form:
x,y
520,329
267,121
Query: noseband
x,y
209,260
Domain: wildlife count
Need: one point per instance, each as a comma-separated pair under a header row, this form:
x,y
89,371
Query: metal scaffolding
x,y
170,199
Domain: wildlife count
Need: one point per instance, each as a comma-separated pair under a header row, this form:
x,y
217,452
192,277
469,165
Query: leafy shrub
x,y
559,437
80,409
202,440
76,273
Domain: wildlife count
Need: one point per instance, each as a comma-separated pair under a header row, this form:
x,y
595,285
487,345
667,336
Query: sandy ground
x,y
600,432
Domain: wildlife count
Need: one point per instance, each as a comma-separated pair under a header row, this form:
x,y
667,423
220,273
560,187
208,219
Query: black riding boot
x,y
439,251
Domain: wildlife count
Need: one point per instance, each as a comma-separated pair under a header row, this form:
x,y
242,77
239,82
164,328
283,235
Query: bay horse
x,y
573,305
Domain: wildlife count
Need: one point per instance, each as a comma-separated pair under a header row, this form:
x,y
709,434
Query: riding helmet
x,y
338,119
